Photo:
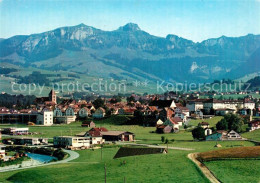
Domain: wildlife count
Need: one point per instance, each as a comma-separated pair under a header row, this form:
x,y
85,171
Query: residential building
x,y
99,113
45,118
254,125
232,135
83,112
71,142
194,105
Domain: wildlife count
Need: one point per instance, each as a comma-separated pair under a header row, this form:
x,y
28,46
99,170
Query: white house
x,y
232,135
45,118
249,104
194,105
71,142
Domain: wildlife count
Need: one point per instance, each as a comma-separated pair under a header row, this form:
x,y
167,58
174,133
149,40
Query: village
x,y
167,114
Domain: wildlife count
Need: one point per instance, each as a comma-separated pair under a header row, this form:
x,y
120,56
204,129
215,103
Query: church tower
x,y
52,96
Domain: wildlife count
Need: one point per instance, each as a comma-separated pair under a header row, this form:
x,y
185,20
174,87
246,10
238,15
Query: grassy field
x,y
172,167
212,122
239,171
254,135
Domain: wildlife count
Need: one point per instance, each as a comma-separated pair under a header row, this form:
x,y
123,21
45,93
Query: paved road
x,y
73,155
203,168
155,146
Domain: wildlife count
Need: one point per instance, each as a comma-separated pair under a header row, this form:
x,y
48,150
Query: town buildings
x,y
71,142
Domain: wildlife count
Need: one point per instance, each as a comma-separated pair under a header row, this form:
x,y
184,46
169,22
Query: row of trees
x,y
20,101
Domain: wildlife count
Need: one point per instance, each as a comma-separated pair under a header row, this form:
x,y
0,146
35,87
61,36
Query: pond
x,y
41,158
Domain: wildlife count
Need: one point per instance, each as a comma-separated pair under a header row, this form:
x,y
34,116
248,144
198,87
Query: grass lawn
x,y
212,122
254,135
236,170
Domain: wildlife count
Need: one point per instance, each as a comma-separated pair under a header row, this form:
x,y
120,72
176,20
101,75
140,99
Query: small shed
x,y
89,124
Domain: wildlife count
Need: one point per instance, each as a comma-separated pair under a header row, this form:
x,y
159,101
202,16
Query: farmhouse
x,y
173,123
89,124
254,125
118,136
164,129
232,135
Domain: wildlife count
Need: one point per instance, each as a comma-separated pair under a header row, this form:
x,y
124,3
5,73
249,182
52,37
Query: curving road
x,y
203,168
73,155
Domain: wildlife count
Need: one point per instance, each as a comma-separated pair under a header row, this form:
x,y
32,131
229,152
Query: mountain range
x,y
130,52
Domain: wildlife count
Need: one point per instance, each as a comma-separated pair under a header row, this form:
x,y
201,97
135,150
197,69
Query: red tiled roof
x,y
177,119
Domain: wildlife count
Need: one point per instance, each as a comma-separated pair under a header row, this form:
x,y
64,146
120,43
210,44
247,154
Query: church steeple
x,y
52,96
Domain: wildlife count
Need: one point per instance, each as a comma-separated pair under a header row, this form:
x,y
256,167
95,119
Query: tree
x,y
98,103
231,122
115,99
108,112
222,125
130,99
162,139
198,133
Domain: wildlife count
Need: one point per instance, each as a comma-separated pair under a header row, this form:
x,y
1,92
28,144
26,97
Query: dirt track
x,y
203,168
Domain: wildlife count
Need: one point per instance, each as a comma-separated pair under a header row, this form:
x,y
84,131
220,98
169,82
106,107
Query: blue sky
x,y
192,19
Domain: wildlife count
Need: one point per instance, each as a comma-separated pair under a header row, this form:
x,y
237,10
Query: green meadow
x,y
238,171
